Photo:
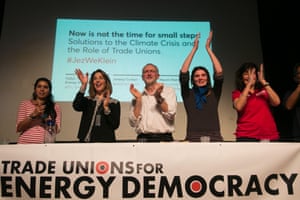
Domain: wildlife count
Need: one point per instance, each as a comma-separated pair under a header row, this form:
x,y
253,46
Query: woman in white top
x,y
35,112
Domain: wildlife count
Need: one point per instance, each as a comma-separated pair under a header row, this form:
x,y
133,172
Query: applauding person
x,y
253,98
202,100
34,113
100,112
152,112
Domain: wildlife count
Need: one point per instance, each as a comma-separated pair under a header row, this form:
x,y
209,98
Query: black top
x,y
295,114
204,122
103,128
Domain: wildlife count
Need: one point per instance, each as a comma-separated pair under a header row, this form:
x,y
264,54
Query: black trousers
x,y
155,137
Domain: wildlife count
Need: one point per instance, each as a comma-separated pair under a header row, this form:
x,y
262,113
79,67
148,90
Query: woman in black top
x,y
201,101
100,113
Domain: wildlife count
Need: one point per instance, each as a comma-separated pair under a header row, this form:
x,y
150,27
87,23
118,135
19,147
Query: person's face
x,y
297,75
150,75
99,83
42,90
200,78
249,75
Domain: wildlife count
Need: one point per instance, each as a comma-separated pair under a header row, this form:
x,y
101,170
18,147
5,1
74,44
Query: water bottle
x,y
50,133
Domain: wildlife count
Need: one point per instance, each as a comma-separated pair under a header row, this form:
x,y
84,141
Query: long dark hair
x,y
49,102
239,82
208,85
207,73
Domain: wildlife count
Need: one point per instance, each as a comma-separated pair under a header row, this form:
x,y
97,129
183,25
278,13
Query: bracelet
x,y
266,84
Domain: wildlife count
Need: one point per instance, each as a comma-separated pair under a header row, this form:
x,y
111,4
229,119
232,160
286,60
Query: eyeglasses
x,y
149,71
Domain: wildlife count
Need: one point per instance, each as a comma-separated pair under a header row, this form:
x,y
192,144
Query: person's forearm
x,y
25,124
187,62
293,98
216,63
274,98
137,107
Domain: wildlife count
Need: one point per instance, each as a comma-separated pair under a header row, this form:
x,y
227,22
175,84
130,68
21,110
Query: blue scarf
x,y
200,96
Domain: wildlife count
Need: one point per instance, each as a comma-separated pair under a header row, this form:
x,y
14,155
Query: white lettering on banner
x,y
140,177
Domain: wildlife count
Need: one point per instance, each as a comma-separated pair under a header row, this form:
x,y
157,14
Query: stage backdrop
x,y
27,51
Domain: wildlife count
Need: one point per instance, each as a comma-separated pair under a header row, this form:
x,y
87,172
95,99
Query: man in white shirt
x,y
152,112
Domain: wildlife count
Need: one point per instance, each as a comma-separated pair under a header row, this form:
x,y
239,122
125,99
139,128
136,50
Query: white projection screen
x,y
122,48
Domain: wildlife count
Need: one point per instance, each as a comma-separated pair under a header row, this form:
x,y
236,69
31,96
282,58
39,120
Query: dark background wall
x,y
280,39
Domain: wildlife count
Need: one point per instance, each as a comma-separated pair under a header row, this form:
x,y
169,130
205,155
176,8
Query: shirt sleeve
x,y
133,121
170,97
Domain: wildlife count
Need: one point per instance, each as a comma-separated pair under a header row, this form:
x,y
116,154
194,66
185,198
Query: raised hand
x,y
84,78
251,77
261,76
106,98
196,41
134,91
158,89
208,40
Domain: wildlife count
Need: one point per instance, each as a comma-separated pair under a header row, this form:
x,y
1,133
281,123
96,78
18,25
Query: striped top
x,y
34,134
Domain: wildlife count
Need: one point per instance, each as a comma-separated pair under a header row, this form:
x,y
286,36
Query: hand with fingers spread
x,y
84,78
252,77
135,92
